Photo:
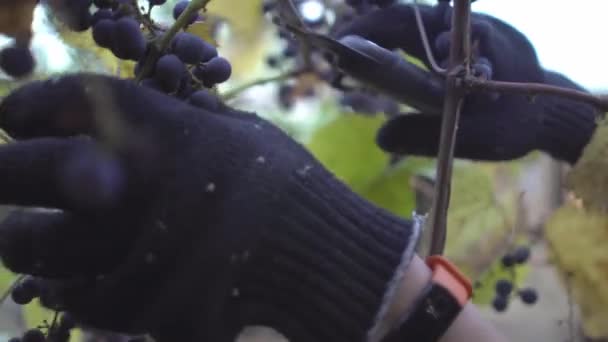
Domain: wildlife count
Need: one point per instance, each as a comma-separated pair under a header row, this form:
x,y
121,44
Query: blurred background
x,y
496,207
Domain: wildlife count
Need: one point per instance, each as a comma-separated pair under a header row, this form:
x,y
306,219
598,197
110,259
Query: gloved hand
x,y
492,126
187,223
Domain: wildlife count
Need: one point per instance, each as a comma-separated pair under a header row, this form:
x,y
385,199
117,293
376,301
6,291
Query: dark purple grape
x,y
128,39
528,296
103,33
500,303
521,254
268,6
17,61
67,321
33,335
507,260
156,2
272,61
192,49
169,72
204,99
504,287
21,295
180,7
75,14
217,70
101,14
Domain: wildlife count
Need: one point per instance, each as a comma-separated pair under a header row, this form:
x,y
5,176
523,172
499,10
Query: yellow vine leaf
x,y
588,178
579,238
93,57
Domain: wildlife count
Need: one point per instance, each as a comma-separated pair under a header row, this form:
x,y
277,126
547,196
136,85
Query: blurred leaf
x,y
588,179
347,147
91,57
392,188
250,37
16,18
578,238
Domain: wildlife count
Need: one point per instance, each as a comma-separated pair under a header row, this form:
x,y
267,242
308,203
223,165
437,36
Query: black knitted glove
x,y
187,223
492,126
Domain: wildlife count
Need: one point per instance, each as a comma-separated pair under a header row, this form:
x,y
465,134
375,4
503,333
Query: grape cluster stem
x,y
161,45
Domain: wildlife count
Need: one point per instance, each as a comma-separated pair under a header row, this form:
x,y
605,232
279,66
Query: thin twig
x,y
460,50
281,77
425,42
161,45
478,84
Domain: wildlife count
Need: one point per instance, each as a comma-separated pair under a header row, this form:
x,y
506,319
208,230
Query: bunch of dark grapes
x,y
505,289
325,18
23,293
187,69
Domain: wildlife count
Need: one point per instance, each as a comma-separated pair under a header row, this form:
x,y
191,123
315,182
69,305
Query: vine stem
x,y
478,84
281,77
460,51
165,40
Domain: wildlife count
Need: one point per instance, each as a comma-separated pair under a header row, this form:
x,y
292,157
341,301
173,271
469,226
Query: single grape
x,y
103,33
33,335
504,287
217,70
156,2
67,321
521,254
204,99
169,72
101,14
272,62
128,39
192,49
500,303
17,61
179,9
75,14
268,5
508,260
528,295
21,295
286,96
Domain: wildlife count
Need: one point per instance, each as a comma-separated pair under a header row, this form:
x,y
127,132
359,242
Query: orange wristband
x,y
437,307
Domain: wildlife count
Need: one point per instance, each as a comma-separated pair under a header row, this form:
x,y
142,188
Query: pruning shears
x,y
373,65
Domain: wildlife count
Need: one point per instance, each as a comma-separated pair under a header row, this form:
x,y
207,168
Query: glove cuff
x,y
566,125
324,266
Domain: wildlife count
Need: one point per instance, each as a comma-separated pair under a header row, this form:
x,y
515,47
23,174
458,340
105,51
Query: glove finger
x,y
395,27
480,137
52,243
60,173
96,105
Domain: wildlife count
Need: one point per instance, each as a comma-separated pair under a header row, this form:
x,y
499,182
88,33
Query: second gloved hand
x,y
492,126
